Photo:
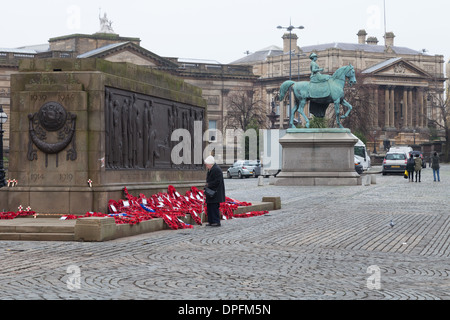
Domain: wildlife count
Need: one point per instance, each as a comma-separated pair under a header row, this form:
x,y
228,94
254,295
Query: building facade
x,y
401,80
216,81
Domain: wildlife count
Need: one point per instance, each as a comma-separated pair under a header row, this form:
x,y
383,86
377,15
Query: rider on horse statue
x,y
320,91
316,76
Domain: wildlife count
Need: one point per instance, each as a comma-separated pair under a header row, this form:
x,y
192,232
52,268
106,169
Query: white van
x,y
362,155
272,151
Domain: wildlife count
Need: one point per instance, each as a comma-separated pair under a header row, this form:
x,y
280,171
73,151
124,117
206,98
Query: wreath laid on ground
x,y
169,206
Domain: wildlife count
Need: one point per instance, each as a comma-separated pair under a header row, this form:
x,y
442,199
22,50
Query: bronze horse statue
x,y
320,95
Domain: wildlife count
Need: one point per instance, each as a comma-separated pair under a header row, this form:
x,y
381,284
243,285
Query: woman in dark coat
x,y
435,166
214,181
410,168
418,166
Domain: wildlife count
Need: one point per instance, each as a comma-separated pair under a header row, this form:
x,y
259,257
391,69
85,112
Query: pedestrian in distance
x,y
418,166
435,166
410,164
215,182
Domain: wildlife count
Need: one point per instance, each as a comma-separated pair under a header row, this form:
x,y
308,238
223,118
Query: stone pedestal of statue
x,y
318,157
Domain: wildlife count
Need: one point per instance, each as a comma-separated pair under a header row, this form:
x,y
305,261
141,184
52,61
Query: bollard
x,y
374,179
260,181
271,180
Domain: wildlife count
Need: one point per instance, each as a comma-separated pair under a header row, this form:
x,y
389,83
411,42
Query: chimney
x,y
372,41
362,36
290,39
389,39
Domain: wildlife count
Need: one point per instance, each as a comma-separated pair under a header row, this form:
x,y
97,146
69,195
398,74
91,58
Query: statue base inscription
x,y
318,157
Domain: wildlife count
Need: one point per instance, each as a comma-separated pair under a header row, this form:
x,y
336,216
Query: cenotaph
x,y
83,129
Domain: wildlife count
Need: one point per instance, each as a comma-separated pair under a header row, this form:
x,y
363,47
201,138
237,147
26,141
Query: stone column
x,y
415,111
405,108
392,107
386,107
375,107
425,104
411,107
421,108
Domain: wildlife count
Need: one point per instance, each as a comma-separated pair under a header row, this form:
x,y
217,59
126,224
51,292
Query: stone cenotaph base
x,y
83,129
318,157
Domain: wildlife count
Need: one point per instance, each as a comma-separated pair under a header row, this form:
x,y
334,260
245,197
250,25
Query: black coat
x,y
435,162
410,164
214,181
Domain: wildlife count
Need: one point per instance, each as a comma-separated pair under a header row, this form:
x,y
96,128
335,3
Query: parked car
x,y
399,149
244,168
394,163
414,153
256,164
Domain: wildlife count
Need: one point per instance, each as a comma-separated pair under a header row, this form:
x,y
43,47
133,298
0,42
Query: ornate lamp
x,y
290,28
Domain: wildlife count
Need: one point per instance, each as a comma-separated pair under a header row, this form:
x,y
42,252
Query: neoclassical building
x,y
216,80
402,80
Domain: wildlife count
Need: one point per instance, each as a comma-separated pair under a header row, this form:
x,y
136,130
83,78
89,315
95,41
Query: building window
x,y
212,126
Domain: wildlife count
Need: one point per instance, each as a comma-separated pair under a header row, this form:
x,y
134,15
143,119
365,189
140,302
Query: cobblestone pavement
x,y
325,243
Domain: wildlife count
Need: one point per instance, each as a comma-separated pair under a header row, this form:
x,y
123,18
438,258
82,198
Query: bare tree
x,y
440,101
362,114
244,109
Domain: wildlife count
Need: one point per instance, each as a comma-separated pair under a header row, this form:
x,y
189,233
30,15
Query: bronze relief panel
x,y
138,130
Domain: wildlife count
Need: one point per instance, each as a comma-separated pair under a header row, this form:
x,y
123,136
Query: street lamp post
x,y
290,28
3,118
374,142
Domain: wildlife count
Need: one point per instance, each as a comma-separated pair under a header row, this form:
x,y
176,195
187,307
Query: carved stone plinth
x,y
313,157
83,129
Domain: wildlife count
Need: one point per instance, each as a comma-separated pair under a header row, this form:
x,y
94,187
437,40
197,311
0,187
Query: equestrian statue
x,y
320,91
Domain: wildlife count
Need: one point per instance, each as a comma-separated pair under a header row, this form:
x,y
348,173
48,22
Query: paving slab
x,y
325,243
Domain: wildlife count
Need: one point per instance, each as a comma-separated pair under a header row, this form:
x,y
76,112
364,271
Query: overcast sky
x,y
224,30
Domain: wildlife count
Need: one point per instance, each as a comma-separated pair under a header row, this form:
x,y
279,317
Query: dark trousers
x,y
411,175
213,212
418,174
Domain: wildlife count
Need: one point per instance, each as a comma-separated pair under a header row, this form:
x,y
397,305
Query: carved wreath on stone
x,y
400,68
51,130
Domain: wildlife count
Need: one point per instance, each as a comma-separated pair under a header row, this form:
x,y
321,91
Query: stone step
x,y
37,229
54,229
48,229
256,206
33,236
